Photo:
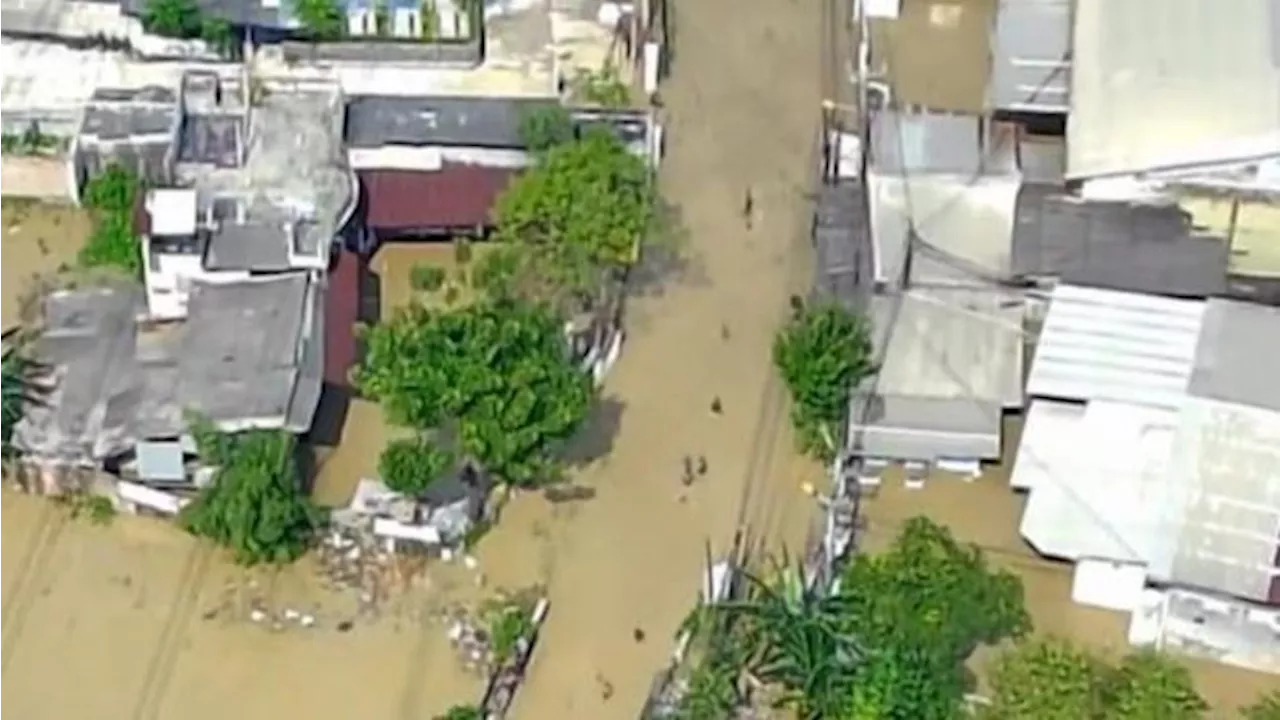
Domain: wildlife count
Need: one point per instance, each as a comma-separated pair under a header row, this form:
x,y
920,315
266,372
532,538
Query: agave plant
x,y
783,634
19,387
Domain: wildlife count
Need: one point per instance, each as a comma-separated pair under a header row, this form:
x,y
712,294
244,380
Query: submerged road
x,y
742,112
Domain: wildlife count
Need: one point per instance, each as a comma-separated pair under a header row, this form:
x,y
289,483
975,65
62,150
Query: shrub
x,y
427,278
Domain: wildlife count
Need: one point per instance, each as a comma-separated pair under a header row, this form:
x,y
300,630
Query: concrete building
x,y
241,188
1151,454
249,356
941,193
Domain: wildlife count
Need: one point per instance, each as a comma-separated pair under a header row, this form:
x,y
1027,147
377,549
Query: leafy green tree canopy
x,y
1054,679
921,607
255,506
1149,685
569,224
320,19
546,127
410,465
821,353
1046,679
494,376
932,591
172,18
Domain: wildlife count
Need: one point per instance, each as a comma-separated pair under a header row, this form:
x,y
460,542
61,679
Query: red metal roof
x,y
456,196
341,311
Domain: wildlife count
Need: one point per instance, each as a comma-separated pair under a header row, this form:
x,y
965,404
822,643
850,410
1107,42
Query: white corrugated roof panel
x,y
1225,469
1031,67
1107,502
1164,84
1108,345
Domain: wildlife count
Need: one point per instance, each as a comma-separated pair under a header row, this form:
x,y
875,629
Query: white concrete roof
x,y
1159,84
1109,345
173,211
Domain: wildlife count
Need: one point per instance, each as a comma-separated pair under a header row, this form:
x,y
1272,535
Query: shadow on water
x,y
666,257
595,440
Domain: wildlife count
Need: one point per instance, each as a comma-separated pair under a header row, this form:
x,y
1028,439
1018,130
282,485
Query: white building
x,y
1151,452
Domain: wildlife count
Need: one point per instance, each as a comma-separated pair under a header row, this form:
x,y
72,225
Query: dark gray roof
x,y
1115,245
486,122
1234,339
842,240
374,121
88,342
248,246
240,354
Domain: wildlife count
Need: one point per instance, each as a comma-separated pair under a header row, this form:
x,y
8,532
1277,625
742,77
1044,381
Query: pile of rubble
x,y
351,559
471,641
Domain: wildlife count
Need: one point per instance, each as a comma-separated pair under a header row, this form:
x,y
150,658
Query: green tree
x,y
255,506
216,32
21,385
494,377
410,465
921,608
604,88
1052,678
172,18
545,127
907,682
1266,708
320,19
821,354
570,225
1148,685
112,243
1046,679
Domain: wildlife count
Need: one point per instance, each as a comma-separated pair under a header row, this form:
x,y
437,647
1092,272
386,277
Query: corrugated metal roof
x,y
1160,84
1225,467
1096,474
951,361
925,429
1109,345
456,196
1031,70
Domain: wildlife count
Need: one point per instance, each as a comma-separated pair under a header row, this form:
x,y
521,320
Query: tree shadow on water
x,y
595,440
666,256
